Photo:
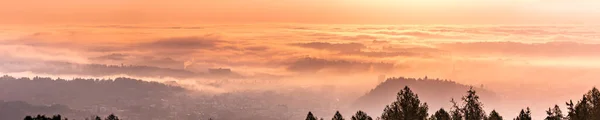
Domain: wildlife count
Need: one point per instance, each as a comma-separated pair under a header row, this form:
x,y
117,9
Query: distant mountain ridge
x,y
436,93
17,110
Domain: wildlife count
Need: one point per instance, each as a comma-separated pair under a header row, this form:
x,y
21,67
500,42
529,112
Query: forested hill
x,y
83,93
16,110
435,92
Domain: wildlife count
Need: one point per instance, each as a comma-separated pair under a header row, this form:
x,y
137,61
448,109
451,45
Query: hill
x,y
435,92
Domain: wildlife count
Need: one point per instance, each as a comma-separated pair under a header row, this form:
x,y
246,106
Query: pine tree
x,y
441,115
112,117
579,111
360,115
310,116
455,112
594,102
554,113
337,116
28,118
494,116
406,107
524,115
472,109
43,117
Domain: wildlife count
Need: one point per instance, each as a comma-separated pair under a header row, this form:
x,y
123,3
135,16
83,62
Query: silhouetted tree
x,y
310,116
440,115
472,109
455,112
554,113
28,118
360,115
43,117
588,108
337,116
594,102
494,116
524,115
406,107
579,111
112,117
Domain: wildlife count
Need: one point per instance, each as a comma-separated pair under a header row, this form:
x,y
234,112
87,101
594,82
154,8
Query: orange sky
x,y
339,38
300,11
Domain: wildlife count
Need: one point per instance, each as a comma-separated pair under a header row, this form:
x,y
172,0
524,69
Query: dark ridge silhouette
x,y
436,92
59,117
15,110
82,93
141,100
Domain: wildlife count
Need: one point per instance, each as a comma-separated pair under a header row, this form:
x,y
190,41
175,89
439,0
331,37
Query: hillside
x,y
435,92
16,110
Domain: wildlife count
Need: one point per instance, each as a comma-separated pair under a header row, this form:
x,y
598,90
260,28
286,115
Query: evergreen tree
x,y
43,117
554,113
310,116
472,109
455,112
524,115
579,111
440,115
337,116
406,107
594,102
28,118
494,116
360,115
112,117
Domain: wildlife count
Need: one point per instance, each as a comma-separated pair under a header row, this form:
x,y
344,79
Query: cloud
x,y
380,54
423,34
317,65
178,43
340,47
113,56
547,49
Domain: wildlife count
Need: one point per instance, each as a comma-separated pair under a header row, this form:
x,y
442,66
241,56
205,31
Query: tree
x,y
440,115
337,116
112,117
310,116
494,116
406,107
360,115
28,118
524,115
43,117
455,111
554,113
594,102
472,109
579,111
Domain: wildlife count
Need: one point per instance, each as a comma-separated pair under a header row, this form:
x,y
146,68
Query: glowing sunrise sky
x,y
301,11
504,44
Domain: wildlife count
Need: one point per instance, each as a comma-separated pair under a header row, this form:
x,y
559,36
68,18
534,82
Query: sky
x,y
301,11
522,49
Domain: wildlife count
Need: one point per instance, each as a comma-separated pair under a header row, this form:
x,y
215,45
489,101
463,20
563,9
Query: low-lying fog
x,y
284,71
